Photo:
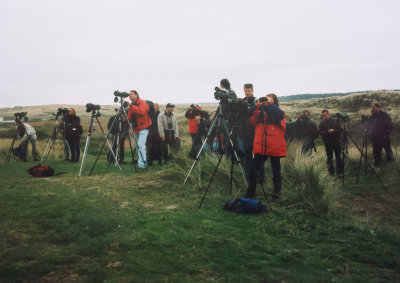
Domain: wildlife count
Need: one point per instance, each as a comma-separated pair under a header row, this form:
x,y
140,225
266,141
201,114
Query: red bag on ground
x,y
41,170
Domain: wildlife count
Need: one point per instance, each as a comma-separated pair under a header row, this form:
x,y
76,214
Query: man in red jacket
x,y
138,114
269,142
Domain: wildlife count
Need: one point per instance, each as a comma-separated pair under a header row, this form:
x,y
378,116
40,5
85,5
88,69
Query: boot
x,y
276,194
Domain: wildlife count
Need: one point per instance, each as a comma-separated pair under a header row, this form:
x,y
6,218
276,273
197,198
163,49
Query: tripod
x,y
95,116
220,123
59,127
121,113
363,155
10,151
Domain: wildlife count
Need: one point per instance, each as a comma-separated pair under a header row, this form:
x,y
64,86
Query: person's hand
x,y
176,138
331,130
163,139
197,119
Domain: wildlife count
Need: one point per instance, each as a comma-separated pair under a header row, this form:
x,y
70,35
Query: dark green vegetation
x,y
122,226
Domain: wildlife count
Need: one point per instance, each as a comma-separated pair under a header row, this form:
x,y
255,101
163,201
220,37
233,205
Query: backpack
x,y
41,170
245,206
152,111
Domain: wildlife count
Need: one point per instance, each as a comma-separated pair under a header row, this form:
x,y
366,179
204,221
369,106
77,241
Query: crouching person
x,y
26,133
269,142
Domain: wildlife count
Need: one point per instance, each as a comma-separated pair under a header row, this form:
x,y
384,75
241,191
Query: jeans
x,y
141,138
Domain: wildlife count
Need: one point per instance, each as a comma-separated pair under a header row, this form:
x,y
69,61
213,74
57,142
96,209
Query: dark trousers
x,y
24,146
121,147
169,141
74,145
196,144
330,149
248,162
378,143
153,148
258,162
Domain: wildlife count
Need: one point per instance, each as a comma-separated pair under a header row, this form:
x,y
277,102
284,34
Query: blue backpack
x,y
245,206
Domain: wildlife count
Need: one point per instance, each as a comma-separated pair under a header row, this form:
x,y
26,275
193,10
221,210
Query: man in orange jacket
x,y
138,114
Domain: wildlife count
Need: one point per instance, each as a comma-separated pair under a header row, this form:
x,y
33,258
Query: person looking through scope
x,y
26,133
305,130
269,142
380,127
73,132
330,130
153,139
168,130
138,114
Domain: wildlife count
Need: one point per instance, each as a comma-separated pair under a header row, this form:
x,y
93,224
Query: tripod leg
x,y
11,147
231,174
359,164
212,177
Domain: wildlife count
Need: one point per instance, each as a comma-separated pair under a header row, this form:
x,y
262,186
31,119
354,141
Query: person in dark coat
x,y
73,132
330,130
380,126
153,139
269,142
305,130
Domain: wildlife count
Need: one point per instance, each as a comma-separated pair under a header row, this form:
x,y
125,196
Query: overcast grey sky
x,y
79,51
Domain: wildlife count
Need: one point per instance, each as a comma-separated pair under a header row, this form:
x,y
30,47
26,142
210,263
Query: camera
x,y
222,94
20,116
92,107
121,94
262,99
342,117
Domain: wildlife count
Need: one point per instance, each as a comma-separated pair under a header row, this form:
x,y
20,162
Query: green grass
x,y
121,226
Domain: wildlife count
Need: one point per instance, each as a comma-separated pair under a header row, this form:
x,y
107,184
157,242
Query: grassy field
x,y
122,226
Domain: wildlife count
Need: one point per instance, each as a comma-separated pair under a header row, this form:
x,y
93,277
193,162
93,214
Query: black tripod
x,y
362,156
121,113
218,124
10,151
95,116
58,128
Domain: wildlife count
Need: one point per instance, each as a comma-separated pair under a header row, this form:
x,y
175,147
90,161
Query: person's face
x,y
248,92
325,115
71,113
133,97
156,107
170,109
374,109
270,99
222,86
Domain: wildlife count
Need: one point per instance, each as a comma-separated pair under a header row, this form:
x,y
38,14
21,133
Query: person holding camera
x,y
26,133
269,142
330,130
138,114
306,131
380,127
168,130
194,118
73,132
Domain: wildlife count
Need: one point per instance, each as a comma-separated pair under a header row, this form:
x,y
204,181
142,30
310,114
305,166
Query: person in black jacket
x,y
380,126
73,132
153,139
306,131
330,130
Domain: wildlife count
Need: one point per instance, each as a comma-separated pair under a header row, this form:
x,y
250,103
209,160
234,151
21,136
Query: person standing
x,y
330,130
26,133
269,142
193,115
380,127
73,132
248,135
306,131
168,130
138,115
153,139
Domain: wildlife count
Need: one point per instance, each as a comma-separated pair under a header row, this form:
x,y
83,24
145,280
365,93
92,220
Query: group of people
x,y
263,133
